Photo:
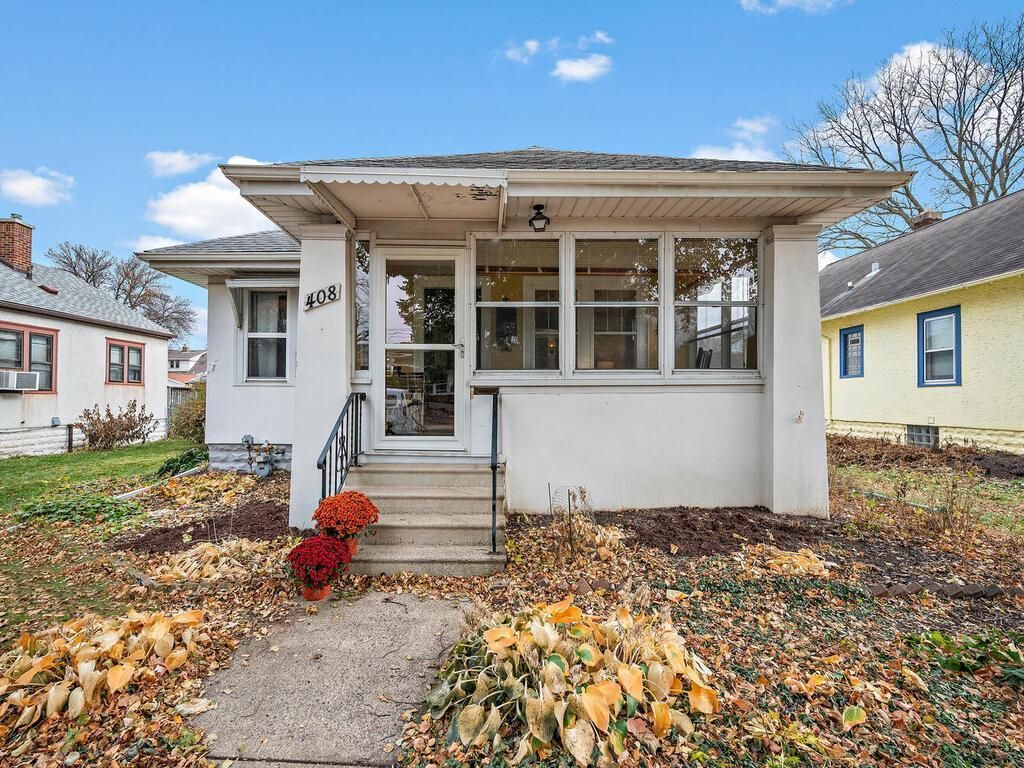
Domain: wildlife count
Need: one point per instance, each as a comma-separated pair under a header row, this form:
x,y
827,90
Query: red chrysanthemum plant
x,y
346,515
316,562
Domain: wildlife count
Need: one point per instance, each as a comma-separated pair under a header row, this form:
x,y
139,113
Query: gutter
x,y
85,320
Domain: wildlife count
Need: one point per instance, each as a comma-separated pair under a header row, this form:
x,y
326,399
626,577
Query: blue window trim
x,y
843,333
921,317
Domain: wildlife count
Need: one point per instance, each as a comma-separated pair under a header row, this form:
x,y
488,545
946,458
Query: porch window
x,y
517,305
716,294
266,342
616,304
938,348
361,305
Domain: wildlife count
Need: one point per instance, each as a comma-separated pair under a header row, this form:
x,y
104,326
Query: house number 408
x,y
323,296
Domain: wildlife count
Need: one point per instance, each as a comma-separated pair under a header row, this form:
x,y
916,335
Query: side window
x,y
851,352
115,363
938,347
266,336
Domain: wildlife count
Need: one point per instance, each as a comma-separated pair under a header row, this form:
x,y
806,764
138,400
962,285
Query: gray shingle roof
x,y
184,354
270,241
540,158
75,299
979,243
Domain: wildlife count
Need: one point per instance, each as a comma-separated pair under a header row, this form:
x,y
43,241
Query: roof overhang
x,y
198,268
294,197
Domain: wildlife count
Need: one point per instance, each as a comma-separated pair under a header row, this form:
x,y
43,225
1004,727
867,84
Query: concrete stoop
x,y
434,519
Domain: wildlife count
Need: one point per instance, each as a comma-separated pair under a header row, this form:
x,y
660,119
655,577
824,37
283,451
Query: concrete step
x,y
380,474
408,499
432,529
435,560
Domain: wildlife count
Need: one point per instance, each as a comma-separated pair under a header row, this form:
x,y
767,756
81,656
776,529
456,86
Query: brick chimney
x,y
924,218
16,243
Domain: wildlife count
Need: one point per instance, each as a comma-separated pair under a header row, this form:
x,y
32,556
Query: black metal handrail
x,y
343,447
494,472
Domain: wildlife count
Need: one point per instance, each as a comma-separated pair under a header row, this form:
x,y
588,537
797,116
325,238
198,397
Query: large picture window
x,y
266,342
616,304
24,348
938,348
715,303
517,305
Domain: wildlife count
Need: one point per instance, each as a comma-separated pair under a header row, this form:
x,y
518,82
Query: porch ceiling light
x,y
539,222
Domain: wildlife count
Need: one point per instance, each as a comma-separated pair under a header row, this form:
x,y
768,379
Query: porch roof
x,y
494,189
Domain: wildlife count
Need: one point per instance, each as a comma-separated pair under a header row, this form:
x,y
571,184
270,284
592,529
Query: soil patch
x,y
265,520
694,532
877,454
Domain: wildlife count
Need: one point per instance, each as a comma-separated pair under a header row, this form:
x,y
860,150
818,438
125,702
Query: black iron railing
x,y
343,447
494,472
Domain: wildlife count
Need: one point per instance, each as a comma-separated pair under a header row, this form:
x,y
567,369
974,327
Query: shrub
x,y
75,507
107,430
345,514
189,419
187,459
316,561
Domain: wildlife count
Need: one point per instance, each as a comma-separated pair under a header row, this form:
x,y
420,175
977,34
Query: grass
x,y
26,478
1000,502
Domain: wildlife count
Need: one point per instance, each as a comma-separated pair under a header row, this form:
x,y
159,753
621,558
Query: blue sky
x,y
117,113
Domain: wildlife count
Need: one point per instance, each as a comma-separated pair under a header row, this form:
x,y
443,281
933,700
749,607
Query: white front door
x,y
419,385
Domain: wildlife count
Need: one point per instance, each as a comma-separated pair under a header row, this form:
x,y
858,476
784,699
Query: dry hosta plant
x,y
230,560
552,678
218,486
70,669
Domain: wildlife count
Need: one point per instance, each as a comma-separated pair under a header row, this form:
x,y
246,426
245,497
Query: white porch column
x,y
797,476
322,370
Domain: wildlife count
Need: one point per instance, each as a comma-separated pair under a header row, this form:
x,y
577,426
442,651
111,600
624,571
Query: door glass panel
x,y
419,392
420,305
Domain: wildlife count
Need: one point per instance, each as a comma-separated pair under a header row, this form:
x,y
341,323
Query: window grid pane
x,y
268,312
115,367
41,359
11,349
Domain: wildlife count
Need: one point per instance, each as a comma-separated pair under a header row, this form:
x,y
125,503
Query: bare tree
x,y
954,113
90,264
132,282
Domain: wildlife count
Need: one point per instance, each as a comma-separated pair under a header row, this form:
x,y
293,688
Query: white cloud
x,y
749,134
769,7
209,208
825,258
147,242
583,69
599,37
40,187
177,162
522,53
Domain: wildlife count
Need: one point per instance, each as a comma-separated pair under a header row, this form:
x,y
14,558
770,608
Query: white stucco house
x,y
650,326
66,346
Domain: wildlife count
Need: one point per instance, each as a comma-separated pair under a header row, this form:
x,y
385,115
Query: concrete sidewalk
x,y
332,691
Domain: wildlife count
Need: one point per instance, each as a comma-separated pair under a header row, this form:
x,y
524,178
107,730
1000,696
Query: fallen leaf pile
x,y
230,560
75,668
553,678
803,562
223,487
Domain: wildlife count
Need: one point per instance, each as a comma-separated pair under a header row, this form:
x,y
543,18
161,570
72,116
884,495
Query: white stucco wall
x,y
25,419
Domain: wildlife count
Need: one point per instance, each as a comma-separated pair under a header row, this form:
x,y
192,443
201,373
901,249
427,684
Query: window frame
x,y
532,374
922,320
844,334
288,335
670,312
27,331
124,344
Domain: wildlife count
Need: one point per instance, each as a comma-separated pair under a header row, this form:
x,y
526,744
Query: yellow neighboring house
x,y
923,336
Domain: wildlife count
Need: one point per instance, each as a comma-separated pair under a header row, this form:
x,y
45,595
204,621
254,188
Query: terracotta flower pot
x,y
316,593
353,545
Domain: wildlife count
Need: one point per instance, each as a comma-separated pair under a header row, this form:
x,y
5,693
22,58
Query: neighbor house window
x,y
361,305
124,362
266,336
23,348
517,305
616,304
715,303
851,352
938,347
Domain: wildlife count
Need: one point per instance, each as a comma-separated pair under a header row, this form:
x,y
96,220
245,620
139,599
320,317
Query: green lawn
x,y
25,478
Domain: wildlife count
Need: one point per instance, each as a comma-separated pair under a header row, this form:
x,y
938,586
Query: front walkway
x,y
329,689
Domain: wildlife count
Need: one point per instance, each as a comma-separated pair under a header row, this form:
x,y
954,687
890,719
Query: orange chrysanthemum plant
x,y
345,515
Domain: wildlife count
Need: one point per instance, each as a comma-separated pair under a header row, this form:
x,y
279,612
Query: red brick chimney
x,y
16,243
924,218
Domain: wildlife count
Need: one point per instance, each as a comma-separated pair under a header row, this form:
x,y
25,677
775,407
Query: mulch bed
x,y
877,453
264,521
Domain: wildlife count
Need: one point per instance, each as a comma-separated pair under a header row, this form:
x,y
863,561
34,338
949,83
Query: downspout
x,y
828,368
